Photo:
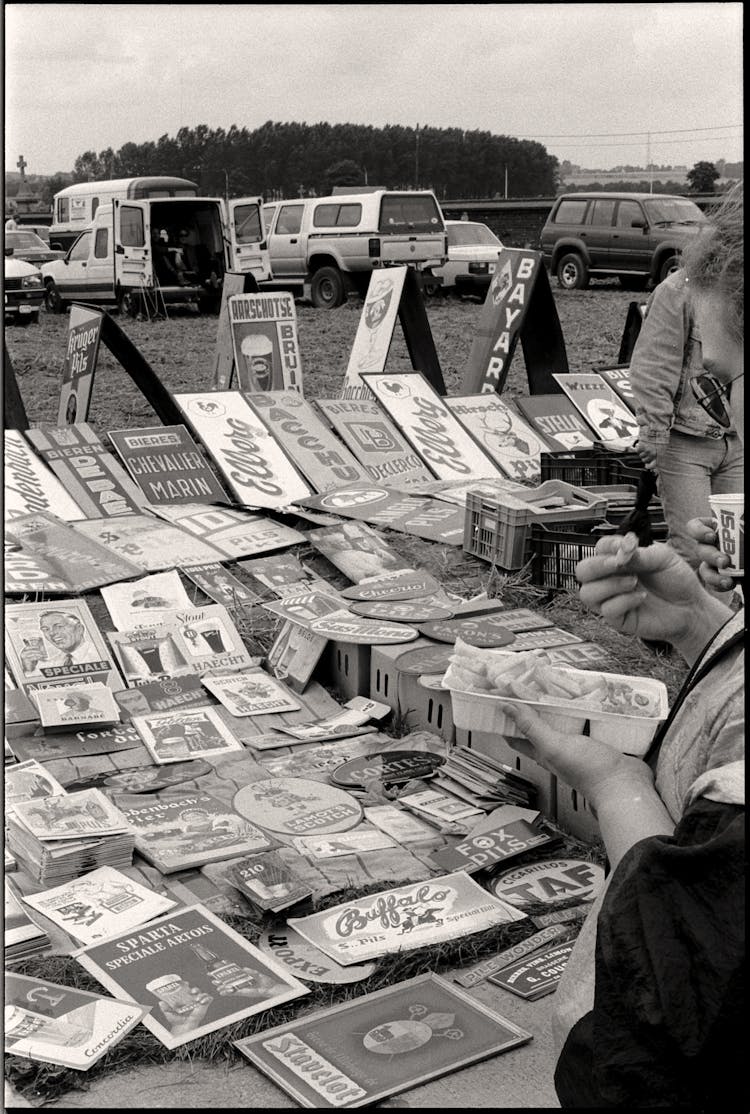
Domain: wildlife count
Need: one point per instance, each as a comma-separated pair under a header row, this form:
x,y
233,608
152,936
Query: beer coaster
x,y
362,631
307,962
425,660
404,585
297,806
402,611
485,631
550,881
392,767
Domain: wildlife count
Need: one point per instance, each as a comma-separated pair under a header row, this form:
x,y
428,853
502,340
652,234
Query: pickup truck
x,y
327,247
120,258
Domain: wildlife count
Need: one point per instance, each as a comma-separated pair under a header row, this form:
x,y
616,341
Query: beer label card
x,y
208,640
492,846
372,341
375,441
316,451
233,533
353,1054
94,477
347,843
502,433
77,705
88,813
399,824
268,882
251,461
543,639
495,963
147,542
63,1025
536,976
430,427
167,464
189,733
294,655
75,558
558,421
100,904
221,586
264,339
604,411
305,606
47,642
251,693
26,780
419,914
29,485
196,973
146,602
356,550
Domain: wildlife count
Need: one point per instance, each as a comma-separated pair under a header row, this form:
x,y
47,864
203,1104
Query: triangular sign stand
x,y
14,411
633,322
392,291
519,303
234,283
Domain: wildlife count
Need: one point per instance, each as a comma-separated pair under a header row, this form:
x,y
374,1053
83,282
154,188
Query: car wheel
x,y
53,303
210,304
433,289
634,282
669,266
572,272
327,288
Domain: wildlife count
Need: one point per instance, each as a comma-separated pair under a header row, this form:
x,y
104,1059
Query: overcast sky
x,y
573,76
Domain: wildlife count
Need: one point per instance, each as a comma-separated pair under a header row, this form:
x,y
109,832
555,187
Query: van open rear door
x,y
248,248
134,264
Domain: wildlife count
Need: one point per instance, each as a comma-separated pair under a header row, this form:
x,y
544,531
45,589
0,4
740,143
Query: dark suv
x,y
636,236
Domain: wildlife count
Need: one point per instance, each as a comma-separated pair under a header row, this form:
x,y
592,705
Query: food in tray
x,y
529,675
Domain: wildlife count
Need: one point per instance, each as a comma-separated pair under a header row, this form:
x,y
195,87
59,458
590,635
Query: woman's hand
x,y
646,451
650,592
702,531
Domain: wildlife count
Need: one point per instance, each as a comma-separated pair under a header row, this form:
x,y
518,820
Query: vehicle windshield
x,y
24,240
468,233
673,210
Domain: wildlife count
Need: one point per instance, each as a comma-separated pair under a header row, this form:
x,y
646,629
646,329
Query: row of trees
x,y
291,160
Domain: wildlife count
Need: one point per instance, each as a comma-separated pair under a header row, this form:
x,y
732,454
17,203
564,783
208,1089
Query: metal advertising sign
x,y
84,334
503,434
233,533
607,415
408,514
375,441
297,806
167,465
264,338
430,427
29,485
345,627
549,881
555,417
375,331
253,463
618,378
316,451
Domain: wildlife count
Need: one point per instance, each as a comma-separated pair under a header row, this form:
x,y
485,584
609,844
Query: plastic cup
x,y
729,512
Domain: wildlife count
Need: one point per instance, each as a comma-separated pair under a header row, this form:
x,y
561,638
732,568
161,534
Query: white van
x,y
328,246
74,208
143,255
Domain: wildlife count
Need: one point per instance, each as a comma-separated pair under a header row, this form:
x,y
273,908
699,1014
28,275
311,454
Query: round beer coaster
x,y
366,632
306,961
402,611
551,881
297,806
481,631
425,659
147,779
392,767
404,585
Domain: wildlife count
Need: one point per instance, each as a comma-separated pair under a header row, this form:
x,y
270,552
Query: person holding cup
x,y
649,1010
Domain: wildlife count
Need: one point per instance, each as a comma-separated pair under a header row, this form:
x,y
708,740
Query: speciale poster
x,y
377,1045
196,973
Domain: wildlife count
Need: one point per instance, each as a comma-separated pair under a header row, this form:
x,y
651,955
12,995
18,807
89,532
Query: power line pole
x,y
416,160
648,164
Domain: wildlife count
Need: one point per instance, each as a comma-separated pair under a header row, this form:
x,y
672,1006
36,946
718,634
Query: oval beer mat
x,y
362,631
297,806
551,881
481,631
402,611
306,961
404,585
425,659
392,767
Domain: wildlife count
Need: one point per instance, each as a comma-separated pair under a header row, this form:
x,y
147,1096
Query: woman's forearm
x,y
628,811
706,618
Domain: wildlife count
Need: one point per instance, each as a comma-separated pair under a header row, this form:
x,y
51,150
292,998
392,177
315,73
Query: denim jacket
x,y
667,354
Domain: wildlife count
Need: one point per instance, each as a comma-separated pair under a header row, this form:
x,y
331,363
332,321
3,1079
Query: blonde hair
x,y
714,261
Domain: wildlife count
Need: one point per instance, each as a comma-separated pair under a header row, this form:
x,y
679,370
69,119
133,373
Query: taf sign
x,y
519,303
84,334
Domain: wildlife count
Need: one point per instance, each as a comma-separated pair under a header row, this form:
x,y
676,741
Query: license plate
x,y
25,309
492,267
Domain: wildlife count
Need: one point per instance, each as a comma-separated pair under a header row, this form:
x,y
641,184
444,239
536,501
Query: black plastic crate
x,y
580,467
556,550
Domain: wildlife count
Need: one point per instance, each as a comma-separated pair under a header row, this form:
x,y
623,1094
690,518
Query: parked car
x,y
28,246
23,289
42,230
472,259
636,236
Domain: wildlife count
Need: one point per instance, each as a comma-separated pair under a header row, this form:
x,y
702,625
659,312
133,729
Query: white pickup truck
x,y
326,247
141,255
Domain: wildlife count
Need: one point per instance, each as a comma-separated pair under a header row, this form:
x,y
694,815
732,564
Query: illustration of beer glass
x,y
256,370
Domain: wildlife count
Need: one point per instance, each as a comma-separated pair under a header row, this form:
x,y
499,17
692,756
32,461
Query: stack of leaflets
x,y
23,938
182,829
58,838
483,781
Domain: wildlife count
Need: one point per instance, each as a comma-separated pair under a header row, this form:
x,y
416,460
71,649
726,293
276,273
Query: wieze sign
x,y
264,338
84,334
